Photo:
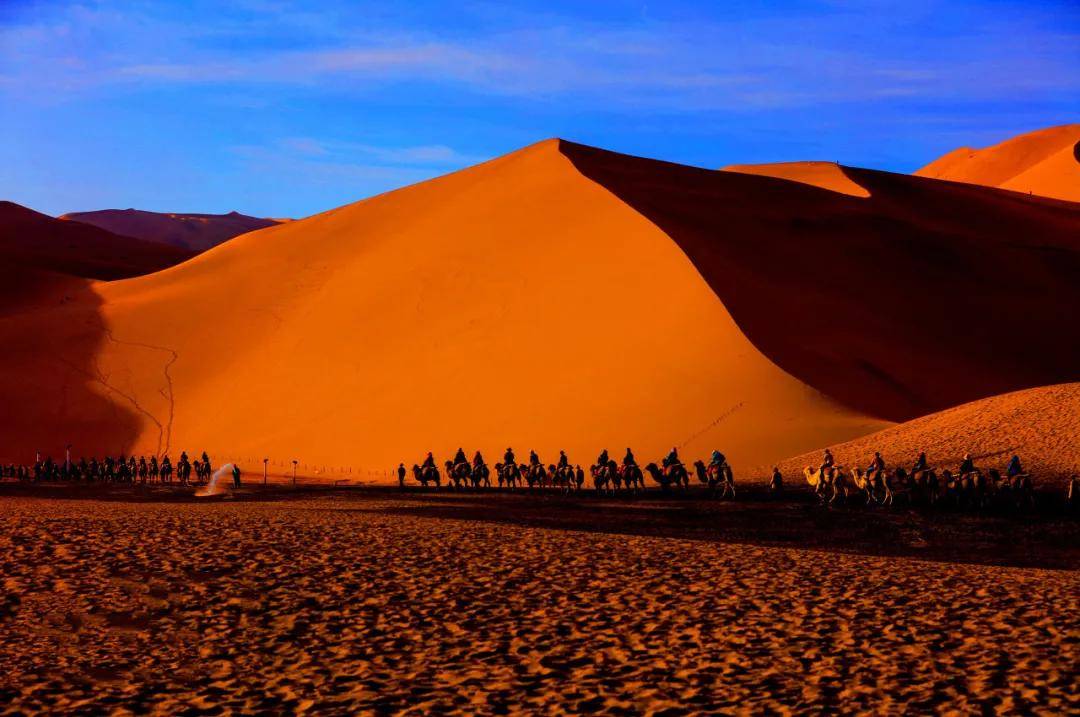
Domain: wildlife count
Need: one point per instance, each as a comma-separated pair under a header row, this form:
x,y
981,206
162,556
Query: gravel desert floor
x,y
345,603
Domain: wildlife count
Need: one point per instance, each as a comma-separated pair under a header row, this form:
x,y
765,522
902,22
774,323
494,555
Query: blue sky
x,y
281,108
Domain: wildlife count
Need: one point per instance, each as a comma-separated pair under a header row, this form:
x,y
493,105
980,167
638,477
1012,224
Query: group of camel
x,y
608,478
971,490
122,469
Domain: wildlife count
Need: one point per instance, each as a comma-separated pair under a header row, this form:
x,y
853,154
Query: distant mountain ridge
x,y
194,232
32,240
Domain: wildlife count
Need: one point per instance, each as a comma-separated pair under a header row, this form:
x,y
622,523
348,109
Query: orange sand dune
x,y
195,232
513,303
1045,162
827,175
36,241
539,301
1041,425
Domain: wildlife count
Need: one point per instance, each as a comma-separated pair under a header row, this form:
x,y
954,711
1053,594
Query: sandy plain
x,y
342,603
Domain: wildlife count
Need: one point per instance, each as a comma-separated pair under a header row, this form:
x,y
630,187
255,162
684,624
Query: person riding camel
x,y
717,459
602,459
477,460
878,464
967,465
672,459
459,458
1014,468
508,457
534,460
563,460
920,463
827,461
429,462
628,459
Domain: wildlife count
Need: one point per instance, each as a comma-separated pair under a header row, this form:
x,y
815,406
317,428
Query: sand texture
x,y
342,607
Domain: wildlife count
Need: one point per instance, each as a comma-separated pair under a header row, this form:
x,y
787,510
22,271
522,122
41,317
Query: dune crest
x,y
1045,163
826,175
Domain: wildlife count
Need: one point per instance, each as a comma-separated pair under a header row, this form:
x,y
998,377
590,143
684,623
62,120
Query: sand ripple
x,y
317,605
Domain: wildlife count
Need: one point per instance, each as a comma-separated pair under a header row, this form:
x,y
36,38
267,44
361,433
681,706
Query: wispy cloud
x,y
674,64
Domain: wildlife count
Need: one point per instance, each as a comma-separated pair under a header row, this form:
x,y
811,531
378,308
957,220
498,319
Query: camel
x,y
675,474
832,478
563,477
428,474
632,477
603,477
481,476
508,475
458,474
716,478
535,475
820,479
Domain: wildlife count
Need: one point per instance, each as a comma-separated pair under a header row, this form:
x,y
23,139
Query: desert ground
x,y
380,601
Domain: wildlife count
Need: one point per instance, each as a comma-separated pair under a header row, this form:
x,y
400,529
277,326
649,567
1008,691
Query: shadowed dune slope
x,y
1041,425
193,232
1045,162
826,175
922,296
37,241
513,303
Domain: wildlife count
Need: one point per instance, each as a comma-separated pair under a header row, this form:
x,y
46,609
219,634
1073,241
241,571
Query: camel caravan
x,y
119,469
967,488
609,477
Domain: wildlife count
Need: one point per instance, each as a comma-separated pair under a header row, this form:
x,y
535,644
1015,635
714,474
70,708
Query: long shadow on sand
x,y
1047,540
52,390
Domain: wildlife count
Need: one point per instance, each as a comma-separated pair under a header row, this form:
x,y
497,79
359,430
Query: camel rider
x,y
534,459
920,463
878,464
459,458
477,460
967,465
672,458
827,461
508,457
602,459
563,460
628,459
717,459
1014,468
429,462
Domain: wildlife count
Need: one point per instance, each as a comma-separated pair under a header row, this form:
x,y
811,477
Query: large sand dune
x,y
538,300
194,232
1045,162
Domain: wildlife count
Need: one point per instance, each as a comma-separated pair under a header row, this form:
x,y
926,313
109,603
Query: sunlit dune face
x,y
826,175
1045,163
